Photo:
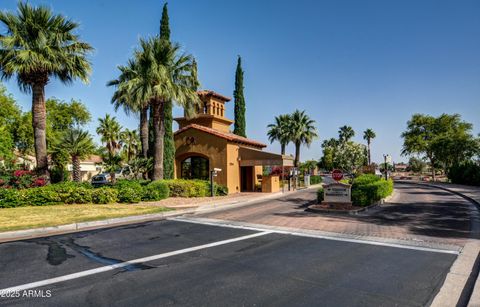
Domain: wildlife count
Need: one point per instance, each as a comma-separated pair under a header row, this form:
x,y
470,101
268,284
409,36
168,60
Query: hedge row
x,y
367,189
124,191
72,193
315,179
466,173
193,188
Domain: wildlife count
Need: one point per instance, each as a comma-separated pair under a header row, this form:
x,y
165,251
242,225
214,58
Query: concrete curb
x,y
356,211
454,291
107,223
461,286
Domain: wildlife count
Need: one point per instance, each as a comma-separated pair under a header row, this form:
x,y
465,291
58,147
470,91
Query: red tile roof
x,y
225,135
214,94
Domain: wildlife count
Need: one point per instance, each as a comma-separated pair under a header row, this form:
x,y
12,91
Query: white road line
x,y
312,235
54,280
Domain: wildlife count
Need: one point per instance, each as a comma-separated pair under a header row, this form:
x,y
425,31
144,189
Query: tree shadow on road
x,y
447,218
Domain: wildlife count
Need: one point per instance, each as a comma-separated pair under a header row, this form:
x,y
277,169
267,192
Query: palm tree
x,y
112,164
369,135
163,75
77,144
130,141
279,131
302,131
345,133
124,97
110,131
37,46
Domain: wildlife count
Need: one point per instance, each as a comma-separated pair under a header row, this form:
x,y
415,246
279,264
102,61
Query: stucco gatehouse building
x,y
205,142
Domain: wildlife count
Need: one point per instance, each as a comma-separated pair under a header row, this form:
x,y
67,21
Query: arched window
x,y
195,168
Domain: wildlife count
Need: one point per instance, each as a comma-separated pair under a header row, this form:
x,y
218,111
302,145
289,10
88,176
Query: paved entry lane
x,y
272,269
38,259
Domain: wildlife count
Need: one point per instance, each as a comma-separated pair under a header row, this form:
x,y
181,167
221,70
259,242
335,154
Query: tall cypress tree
x,y
169,144
164,24
240,126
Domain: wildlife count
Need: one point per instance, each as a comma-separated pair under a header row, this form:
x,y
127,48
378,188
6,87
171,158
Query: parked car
x,y
101,179
105,178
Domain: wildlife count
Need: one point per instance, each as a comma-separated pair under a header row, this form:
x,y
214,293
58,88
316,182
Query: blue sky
x,y
368,64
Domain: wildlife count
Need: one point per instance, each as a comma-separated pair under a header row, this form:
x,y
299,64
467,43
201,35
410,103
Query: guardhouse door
x,y
246,179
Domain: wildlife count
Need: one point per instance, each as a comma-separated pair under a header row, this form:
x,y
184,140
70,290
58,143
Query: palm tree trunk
x,y
283,149
369,159
144,131
76,169
159,133
297,154
39,118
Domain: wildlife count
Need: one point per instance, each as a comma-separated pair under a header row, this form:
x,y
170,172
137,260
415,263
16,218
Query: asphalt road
x,y
257,268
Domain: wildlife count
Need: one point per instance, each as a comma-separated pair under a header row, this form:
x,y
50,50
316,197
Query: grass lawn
x,y
35,217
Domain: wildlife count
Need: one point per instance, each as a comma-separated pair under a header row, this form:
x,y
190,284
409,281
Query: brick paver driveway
x,y
416,213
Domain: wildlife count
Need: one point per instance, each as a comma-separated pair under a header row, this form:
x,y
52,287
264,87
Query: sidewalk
x,y
471,192
181,205
469,277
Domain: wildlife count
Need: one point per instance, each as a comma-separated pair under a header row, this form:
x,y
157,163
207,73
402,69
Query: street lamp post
x,y
213,173
385,156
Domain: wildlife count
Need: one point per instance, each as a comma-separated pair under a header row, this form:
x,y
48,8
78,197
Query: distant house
x,y
89,167
24,160
401,167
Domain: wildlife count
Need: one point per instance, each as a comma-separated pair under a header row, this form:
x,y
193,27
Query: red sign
x,y
337,175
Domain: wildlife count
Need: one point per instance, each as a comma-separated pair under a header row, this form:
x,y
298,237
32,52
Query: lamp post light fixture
x,y
385,167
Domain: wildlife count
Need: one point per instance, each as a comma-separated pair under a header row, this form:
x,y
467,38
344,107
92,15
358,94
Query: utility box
x,y
306,180
270,184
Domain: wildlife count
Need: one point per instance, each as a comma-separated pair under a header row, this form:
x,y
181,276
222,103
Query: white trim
x,y
221,223
55,280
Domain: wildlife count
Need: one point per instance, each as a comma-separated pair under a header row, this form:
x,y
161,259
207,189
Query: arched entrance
x,y
195,167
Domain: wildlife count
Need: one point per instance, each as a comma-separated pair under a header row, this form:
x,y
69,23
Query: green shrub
x,y
320,195
365,179
58,174
156,190
79,195
104,196
9,198
315,179
466,173
129,191
193,188
129,195
121,183
220,190
187,188
42,196
72,192
367,189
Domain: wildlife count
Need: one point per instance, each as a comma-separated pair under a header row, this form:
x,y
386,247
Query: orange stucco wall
x,y
220,153
206,145
233,168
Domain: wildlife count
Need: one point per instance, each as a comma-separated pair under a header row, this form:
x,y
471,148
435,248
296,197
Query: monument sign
x,y
337,195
